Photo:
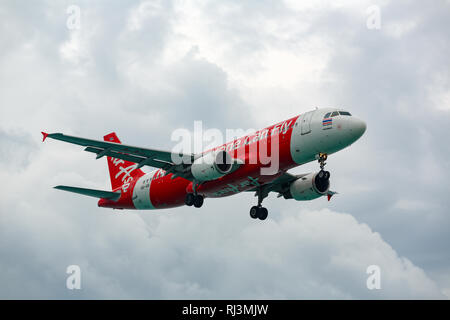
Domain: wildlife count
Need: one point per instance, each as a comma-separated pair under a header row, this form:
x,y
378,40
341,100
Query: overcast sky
x,y
146,68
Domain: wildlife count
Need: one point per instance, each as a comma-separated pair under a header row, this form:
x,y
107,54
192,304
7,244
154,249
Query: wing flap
x,y
92,192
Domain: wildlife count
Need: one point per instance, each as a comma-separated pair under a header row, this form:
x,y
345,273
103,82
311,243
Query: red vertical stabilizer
x,y
120,171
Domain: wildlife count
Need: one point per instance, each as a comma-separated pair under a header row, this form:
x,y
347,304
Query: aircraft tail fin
x,y
92,192
120,171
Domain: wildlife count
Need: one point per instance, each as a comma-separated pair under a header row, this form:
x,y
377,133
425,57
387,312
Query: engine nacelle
x,y
311,186
212,165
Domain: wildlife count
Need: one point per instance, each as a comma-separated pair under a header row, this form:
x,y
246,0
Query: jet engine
x,y
311,186
212,165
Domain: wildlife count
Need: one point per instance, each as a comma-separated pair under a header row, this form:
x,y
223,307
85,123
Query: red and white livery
x,y
237,166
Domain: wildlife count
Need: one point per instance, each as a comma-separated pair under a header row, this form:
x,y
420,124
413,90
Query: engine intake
x,y
212,165
311,186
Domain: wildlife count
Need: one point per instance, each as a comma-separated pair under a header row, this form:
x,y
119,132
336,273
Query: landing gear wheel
x,y
189,200
198,201
262,213
324,174
254,212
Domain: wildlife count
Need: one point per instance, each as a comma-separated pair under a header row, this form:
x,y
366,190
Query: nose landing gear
x,y
321,159
323,176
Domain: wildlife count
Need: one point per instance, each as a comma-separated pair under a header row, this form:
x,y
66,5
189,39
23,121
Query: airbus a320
x,y
225,170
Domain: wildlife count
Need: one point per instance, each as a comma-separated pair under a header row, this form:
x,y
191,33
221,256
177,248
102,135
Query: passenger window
x,y
334,114
344,113
327,115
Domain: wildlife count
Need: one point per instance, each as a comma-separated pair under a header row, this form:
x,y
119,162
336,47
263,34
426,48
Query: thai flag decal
x,y
327,122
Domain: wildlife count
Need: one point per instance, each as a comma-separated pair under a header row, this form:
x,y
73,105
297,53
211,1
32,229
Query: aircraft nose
x,y
358,127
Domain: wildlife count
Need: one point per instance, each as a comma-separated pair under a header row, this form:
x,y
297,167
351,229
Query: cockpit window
x,y
334,114
344,113
327,115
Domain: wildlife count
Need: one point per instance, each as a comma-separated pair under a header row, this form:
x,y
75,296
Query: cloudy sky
x,y
147,68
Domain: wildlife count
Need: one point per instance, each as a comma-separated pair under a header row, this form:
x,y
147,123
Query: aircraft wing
x,y
141,156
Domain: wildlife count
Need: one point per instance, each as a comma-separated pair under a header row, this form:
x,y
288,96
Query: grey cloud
x,y
15,150
388,81
395,179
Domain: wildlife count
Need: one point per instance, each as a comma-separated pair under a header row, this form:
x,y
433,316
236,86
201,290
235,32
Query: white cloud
x,y
144,11
400,29
76,49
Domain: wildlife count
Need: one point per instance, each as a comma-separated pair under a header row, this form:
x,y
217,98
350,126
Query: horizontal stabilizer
x,y
92,193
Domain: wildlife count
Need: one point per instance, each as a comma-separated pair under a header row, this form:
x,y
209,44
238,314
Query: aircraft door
x,y
306,122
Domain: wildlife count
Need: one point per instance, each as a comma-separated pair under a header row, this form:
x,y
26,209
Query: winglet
x,y
44,135
330,194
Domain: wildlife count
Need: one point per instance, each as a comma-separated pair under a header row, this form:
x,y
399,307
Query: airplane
x,y
225,170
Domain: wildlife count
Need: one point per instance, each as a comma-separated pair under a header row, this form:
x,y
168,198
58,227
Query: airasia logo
x,y
126,171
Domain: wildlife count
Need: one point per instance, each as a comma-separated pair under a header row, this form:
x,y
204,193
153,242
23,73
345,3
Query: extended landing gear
x,y
195,200
323,175
259,212
321,159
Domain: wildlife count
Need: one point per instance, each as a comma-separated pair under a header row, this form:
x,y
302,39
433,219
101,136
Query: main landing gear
x,y
259,212
194,198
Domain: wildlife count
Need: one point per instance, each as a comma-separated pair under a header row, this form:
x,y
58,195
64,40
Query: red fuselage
x,y
165,192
